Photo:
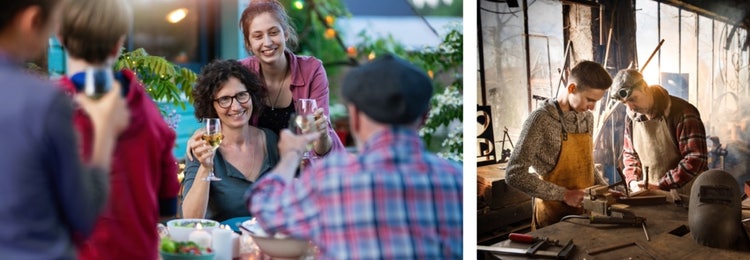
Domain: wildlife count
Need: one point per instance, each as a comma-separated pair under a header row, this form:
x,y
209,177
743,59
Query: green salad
x,y
183,248
192,223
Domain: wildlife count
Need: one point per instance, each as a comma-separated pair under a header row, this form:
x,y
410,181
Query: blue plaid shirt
x,y
393,200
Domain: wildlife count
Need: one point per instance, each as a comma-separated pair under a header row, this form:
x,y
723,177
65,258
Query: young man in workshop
x,y
556,140
663,134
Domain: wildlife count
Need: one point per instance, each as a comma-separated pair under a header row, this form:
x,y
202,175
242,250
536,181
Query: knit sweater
x,y
539,147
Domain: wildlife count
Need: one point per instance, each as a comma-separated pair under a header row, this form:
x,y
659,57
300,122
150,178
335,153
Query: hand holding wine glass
x,y
305,123
213,137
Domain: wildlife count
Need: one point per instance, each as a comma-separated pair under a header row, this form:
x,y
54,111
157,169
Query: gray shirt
x,y
47,197
539,146
226,197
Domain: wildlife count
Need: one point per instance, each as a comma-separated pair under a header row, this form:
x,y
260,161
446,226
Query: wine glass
x,y
305,122
212,135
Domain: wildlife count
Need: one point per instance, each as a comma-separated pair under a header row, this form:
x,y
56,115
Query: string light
x,y
330,33
431,74
329,20
351,51
371,56
299,4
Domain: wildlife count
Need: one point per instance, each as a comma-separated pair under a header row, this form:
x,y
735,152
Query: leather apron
x,y
652,141
574,171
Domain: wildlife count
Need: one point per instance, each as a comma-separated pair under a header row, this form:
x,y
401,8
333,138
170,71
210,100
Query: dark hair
x,y
588,74
212,79
258,7
10,9
91,29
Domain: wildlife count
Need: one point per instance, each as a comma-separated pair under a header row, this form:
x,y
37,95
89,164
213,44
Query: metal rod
x,y
565,66
606,52
645,231
528,53
609,248
480,43
652,55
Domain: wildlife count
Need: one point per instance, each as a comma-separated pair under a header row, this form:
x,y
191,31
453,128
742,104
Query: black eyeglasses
x,y
625,91
226,101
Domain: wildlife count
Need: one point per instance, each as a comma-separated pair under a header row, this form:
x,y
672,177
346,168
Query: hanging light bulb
x,y
371,56
329,20
177,15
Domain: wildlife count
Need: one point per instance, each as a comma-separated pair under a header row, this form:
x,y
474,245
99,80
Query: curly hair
x,y
213,77
258,7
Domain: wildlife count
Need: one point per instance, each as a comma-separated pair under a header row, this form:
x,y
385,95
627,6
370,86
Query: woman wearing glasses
x,y
288,77
229,91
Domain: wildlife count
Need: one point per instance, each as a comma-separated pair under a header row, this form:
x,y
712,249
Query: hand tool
x,y
529,239
621,217
532,251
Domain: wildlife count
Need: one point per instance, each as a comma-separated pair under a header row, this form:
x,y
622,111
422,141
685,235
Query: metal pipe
x,y
528,53
480,43
609,248
652,55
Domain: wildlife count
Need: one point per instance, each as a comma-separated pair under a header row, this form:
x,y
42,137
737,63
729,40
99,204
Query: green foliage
x,y
164,81
443,8
312,24
447,104
444,64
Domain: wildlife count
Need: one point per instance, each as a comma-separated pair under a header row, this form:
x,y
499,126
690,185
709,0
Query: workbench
x,y
667,228
502,209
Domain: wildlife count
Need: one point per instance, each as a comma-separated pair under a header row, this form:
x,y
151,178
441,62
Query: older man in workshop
x,y
664,136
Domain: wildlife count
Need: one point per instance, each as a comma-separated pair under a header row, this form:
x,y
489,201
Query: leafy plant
x,y
447,104
164,81
443,64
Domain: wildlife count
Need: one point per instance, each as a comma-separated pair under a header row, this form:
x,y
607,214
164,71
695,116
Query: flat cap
x,y
625,82
389,90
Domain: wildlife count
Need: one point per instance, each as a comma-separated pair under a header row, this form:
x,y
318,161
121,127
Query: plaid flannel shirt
x,y
393,200
689,134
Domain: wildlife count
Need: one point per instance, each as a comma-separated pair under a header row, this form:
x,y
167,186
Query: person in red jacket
x,y
143,179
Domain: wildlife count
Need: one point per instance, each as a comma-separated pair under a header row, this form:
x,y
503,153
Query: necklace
x,y
278,93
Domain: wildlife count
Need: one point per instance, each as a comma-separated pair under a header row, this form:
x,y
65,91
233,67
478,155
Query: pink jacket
x,y
309,80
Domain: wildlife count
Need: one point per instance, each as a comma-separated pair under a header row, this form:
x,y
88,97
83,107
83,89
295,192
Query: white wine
x,y
306,123
213,140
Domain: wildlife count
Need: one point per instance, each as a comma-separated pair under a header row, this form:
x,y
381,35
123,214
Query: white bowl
x,y
180,229
277,246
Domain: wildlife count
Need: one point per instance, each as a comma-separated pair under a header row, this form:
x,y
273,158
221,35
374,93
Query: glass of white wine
x,y
305,122
212,135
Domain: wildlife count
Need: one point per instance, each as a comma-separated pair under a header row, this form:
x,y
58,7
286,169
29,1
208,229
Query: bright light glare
x,y
177,15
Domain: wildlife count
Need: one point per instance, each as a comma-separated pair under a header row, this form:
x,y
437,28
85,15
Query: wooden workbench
x,y
502,209
661,220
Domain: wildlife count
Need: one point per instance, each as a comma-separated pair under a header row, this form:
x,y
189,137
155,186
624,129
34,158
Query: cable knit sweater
x,y
539,147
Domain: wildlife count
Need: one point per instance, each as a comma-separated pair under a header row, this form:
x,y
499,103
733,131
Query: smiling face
x,y
267,38
582,101
237,114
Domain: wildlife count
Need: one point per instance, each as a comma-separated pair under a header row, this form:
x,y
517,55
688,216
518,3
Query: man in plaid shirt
x,y
664,136
392,200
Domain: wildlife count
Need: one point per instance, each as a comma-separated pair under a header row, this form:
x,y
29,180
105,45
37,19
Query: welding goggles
x,y
625,91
